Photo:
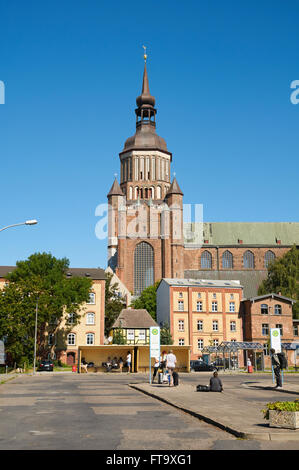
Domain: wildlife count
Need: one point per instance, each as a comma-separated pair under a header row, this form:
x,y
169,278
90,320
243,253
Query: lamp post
x,y
28,222
35,336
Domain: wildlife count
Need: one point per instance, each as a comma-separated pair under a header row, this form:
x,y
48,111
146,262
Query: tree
x,y
165,335
148,300
283,276
41,279
114,303
118,337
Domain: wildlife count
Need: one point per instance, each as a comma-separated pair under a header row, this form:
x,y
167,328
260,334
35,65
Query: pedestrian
x,y
163,361
156,368
129,360
121,363
215,383
170,365
276,367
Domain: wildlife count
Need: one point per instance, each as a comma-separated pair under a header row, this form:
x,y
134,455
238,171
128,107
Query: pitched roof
x,y
134,318
251,233
250,280
273,295
174,188
115,189
93,273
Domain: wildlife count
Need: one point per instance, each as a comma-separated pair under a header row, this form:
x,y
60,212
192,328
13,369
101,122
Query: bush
x,y
281,406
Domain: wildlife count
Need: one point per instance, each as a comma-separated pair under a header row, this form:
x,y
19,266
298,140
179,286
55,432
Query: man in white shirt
x,y
129,360
170,365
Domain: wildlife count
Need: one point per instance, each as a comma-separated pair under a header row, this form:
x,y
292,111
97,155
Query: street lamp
x,y
28,222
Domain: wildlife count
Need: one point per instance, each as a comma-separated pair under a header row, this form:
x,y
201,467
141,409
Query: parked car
x,y
201,366
46,365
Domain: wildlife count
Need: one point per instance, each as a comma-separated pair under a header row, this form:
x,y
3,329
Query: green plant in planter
x,y
281,406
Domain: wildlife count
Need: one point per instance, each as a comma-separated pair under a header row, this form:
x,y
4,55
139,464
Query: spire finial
x,y
145,54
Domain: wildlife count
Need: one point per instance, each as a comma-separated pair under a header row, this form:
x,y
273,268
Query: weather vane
x,y
145,54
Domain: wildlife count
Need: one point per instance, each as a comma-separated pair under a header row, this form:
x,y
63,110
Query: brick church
x,y
147,237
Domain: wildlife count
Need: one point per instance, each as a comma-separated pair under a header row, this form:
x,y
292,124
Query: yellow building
x,y
64,344
200,313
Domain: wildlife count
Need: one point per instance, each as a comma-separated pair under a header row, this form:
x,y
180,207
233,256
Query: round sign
x,y
155,331
275,333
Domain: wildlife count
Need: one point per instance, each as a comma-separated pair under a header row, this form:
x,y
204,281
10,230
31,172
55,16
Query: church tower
x,y
145,216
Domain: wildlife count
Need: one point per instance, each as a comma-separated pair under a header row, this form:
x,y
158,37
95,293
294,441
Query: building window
x,y
199,295
181,325
264,309
233,326
215,325
269,258
181,305
266,349
214,306
265,329
90,318
216,343
71,339
199,306
248,260
70,318
206,260
277,309
51,339
89,339
200,344
199,325
227,260
279,326
143,267
232,306
92,298
295,330
231,296
181,295
181,342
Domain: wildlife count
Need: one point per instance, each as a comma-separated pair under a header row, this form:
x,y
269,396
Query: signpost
x,y
2,353
154,347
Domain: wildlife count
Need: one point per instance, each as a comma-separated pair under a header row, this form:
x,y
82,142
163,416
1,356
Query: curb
x,y
266,436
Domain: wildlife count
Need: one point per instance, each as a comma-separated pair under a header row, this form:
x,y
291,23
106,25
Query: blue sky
x,y
221,74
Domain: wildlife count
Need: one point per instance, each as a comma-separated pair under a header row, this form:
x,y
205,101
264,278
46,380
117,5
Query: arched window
x,y
277,309
90,338
71,339
143,267
90,318
264,309
269,258
130,192
248,260
136,192
158,192
227,260
206,260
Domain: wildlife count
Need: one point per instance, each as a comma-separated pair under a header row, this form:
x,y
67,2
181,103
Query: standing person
x,y
170,365
163,361
215,383
121,363
129,361
276,366
156,368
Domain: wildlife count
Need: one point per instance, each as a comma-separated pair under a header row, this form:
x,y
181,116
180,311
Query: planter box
x,y
284,419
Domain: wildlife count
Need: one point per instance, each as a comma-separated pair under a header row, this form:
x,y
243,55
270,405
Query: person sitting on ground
x,y
215,383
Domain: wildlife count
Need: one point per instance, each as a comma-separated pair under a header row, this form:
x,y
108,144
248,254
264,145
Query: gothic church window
x,y
227,260
248,260
143,267
206,260
269,258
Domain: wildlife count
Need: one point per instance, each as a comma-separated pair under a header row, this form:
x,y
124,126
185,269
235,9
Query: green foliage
x,y
118,337
39,281
283,276
113,303
148,300
281,406
165,335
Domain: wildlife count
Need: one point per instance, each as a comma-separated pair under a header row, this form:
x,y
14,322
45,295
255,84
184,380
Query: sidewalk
x,y
236,410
